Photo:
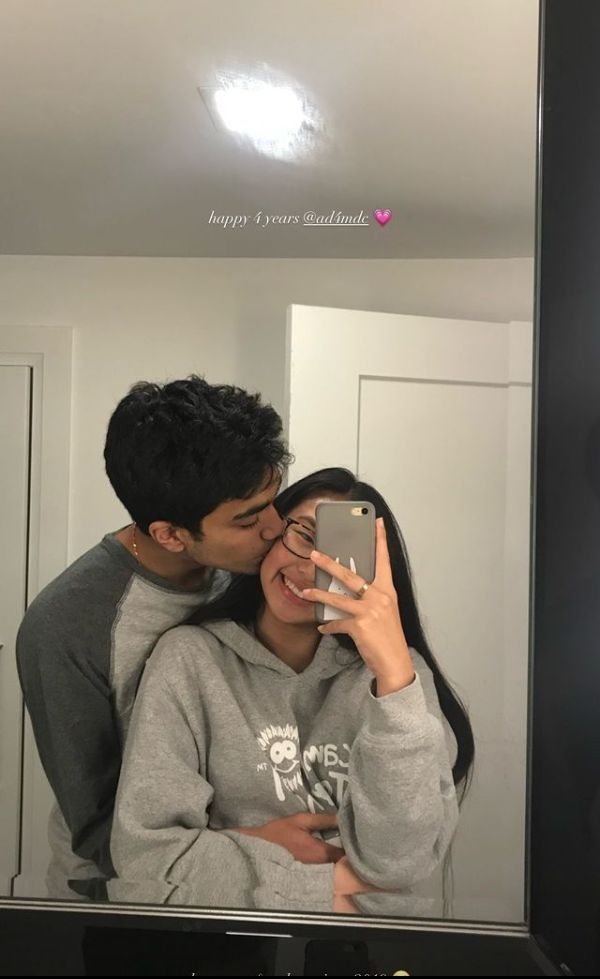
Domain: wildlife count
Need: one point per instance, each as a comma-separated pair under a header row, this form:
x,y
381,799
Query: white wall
x,y
163,318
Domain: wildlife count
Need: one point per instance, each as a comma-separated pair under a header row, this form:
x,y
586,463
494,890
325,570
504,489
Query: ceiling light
x,y
275,117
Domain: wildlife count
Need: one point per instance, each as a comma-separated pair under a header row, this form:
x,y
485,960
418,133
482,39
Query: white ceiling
x,y
429,109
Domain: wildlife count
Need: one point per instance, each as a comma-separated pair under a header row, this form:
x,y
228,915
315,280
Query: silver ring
x,y
361,591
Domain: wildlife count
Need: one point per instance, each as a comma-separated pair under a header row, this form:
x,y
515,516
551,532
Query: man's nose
x,y
274,525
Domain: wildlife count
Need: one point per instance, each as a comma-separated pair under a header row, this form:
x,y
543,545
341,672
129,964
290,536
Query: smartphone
x,y
345,532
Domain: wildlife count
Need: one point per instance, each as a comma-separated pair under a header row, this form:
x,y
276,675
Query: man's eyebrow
x,y
253,510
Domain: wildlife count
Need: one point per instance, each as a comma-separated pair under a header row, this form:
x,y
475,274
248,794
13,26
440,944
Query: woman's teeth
x,y
292,587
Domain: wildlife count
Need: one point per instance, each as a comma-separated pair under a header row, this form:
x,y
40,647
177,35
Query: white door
x,y
437,415
15,383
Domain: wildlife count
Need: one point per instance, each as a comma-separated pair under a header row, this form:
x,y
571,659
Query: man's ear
x,y
166,535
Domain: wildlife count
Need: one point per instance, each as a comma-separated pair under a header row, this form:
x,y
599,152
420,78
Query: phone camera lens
x,y
364,510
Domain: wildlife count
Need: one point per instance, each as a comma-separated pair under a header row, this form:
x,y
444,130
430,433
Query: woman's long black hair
x,y
244,597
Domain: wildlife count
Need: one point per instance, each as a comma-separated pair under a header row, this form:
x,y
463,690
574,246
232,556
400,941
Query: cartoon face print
x,y
284,756
282,746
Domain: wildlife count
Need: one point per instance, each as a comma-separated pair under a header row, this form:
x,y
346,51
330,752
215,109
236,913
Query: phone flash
x,y
358,510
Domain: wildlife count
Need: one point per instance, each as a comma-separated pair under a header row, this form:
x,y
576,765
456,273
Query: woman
x,y
254,728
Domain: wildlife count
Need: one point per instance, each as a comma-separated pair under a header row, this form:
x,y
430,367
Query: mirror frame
x,y
561,918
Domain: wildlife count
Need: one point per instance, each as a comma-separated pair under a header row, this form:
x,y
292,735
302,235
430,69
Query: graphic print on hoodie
x,y
293,769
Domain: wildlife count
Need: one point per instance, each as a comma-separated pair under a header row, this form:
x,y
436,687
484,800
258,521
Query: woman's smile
x,y
291,592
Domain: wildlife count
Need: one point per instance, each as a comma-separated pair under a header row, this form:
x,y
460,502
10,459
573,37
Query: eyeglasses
x,y
297,538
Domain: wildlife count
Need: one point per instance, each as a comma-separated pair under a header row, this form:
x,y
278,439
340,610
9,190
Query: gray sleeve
x,y
160,830
72,719
400,811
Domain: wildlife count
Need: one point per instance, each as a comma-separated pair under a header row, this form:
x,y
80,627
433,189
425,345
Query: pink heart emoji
x,y
382,216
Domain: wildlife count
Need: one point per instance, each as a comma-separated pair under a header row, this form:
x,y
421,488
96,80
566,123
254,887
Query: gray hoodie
x,y
224,735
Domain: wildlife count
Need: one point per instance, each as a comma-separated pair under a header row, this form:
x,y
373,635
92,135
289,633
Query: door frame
x,y
48,352
331,352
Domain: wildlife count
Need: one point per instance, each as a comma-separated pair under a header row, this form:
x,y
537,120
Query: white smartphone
x,y
345,532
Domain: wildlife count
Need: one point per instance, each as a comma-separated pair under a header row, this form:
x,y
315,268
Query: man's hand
x,y
347,882
342,904
295,834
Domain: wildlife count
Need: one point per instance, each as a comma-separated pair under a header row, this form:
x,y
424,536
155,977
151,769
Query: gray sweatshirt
x,y
80,652
224,735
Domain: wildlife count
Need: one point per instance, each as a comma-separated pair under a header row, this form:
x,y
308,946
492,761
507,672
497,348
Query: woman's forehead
x,y
307,508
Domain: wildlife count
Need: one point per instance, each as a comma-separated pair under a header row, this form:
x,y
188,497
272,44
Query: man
x,y
197,466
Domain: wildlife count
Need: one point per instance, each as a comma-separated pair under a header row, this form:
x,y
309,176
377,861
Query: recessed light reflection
x,y
275,117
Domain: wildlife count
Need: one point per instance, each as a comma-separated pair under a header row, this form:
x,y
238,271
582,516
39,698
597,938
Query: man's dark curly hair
x,y
177,451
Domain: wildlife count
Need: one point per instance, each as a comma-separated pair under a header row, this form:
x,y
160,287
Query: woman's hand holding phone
x,y
372,621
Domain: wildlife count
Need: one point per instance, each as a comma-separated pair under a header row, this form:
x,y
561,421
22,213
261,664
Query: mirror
x,y
369,271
